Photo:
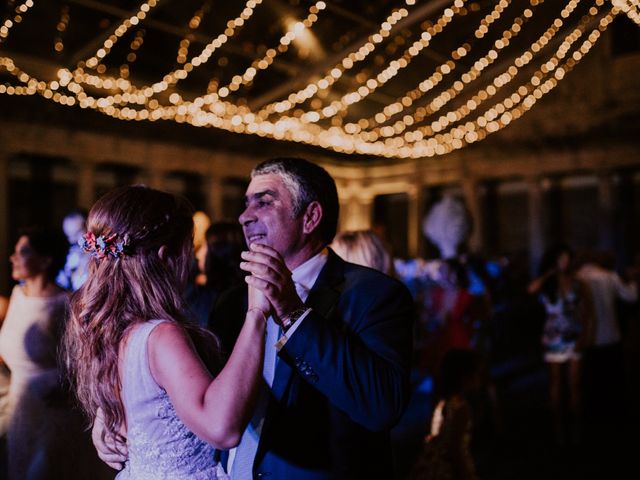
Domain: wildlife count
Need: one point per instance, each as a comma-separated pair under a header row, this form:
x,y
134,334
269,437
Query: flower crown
x,y
102,246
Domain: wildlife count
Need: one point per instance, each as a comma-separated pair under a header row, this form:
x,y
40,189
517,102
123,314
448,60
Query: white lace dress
x,y
160,445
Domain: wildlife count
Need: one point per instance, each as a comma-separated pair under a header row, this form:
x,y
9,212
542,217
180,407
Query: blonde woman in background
x,y
363,247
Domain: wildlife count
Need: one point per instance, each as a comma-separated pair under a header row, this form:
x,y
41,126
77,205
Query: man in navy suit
x,y
338,342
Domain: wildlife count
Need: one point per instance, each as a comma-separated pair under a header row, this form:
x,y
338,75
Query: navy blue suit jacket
x,y
341,381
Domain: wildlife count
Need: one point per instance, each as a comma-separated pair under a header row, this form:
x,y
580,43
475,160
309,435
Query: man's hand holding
x,y
270,275
111,450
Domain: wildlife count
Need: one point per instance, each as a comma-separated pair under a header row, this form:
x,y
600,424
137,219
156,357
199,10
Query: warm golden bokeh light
x,y
407,127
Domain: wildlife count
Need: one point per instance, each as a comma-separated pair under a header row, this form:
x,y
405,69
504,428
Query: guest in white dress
x,y
37,418
133,355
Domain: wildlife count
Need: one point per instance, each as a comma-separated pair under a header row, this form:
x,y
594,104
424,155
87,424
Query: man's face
x,y
268,218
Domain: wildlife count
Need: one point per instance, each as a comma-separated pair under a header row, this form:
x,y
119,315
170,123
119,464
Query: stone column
x,y
626,231
536,231
5,248
606,206
355,213
471,192
86,185
490,237
355,207
416,212
214,193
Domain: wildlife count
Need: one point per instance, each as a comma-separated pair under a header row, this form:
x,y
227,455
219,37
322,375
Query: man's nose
x,y
247,216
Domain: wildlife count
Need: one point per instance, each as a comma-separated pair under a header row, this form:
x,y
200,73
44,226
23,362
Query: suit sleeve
x,y
360,357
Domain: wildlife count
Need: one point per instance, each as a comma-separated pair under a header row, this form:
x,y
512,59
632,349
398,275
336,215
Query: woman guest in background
x,y
363,247
43,432
132,352
567,327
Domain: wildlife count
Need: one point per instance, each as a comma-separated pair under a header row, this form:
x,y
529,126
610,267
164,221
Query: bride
x,y
136,362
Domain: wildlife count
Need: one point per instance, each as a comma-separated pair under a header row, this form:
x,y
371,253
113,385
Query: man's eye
x,y
263,203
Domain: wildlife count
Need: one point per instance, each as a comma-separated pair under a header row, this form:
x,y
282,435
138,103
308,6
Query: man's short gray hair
x,y
307,182
298,194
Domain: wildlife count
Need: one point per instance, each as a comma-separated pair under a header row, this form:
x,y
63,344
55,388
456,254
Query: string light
x,y
394,67
433,80
122,29
144,93
10,23
406,138
630,7
338,70
264,62
58,45
495,87
194,23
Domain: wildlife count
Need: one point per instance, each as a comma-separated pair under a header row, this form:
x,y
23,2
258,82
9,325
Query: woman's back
x,y
160,445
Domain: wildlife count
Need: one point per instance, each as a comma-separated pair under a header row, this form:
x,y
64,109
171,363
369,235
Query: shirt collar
x,y
306,274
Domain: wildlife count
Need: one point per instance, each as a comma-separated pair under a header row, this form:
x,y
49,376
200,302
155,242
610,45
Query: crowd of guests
x,y
137,341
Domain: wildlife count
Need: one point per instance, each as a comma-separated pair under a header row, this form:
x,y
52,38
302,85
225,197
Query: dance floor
x,y
523,446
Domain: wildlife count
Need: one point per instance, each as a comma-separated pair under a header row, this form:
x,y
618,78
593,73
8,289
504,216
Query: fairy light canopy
x,y
391,78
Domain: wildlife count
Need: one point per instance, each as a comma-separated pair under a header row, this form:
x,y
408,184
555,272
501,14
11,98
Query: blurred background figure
x,y
218,268
447,226
451,297
45,438
606,287
446,453
604,359
363,247
74,272
201,223
566,332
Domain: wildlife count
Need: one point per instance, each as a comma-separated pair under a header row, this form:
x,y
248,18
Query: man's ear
x,y
312,217
162,253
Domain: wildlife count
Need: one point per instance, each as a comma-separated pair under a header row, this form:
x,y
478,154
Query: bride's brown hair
x,y
134,283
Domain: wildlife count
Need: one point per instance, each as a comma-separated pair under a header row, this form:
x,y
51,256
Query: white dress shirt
x,y
304,276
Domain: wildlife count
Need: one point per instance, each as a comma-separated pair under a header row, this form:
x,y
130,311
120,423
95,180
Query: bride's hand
x,y
258,301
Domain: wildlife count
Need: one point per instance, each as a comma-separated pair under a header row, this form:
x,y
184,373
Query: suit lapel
x,y
325,293
323,299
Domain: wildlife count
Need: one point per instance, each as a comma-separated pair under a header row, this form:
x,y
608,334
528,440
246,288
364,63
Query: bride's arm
x,y
216,409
